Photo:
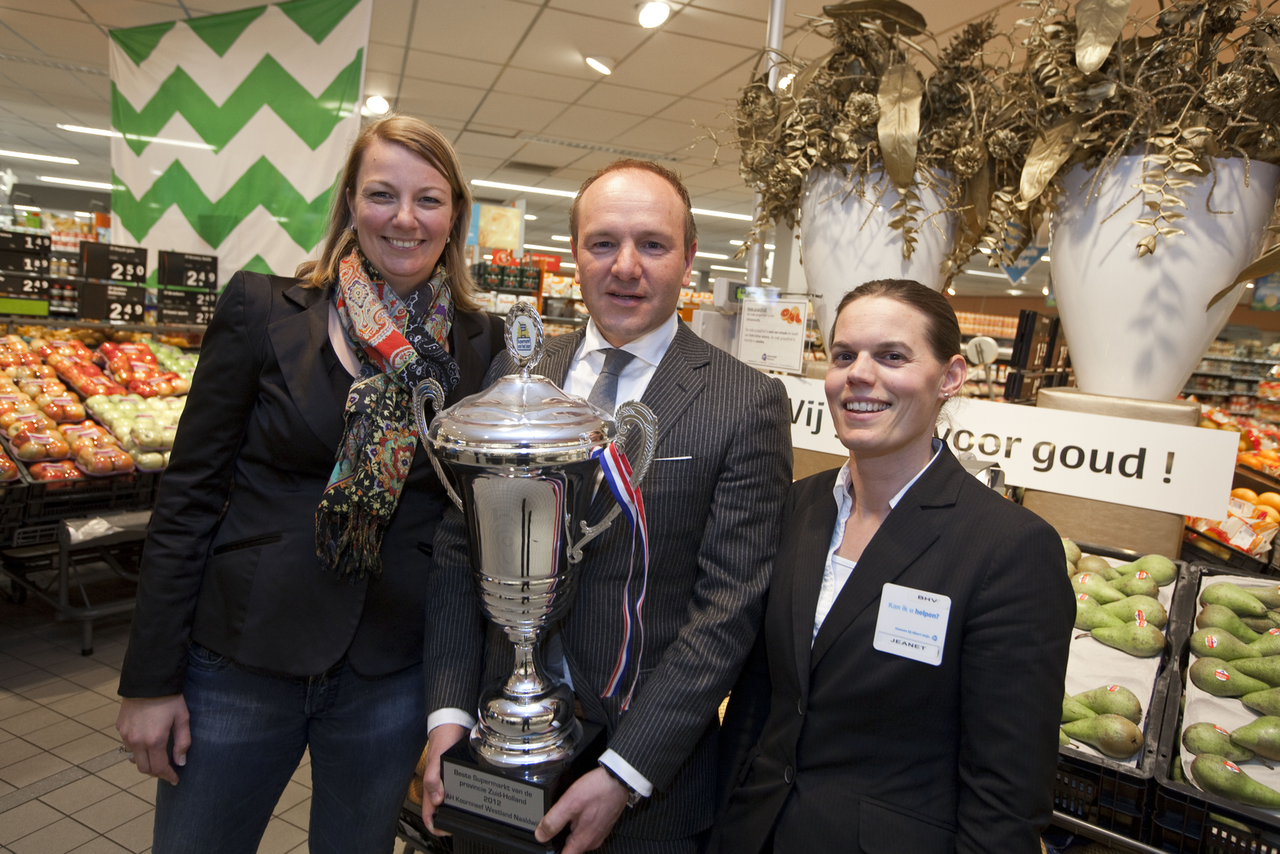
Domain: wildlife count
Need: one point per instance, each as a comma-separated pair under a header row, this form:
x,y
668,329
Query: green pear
x,y
1258,624
1264,702
1220,643
1268,643
1220,776
1063,740
1132,608
1211,738
1269,596
1115,736
1225,593
1074,710
1112,700
1141,641
1163,570
1097,587
1138,584
1089,614
1223,679
1262,737
1100,565
1223,617
1267,669
1071,549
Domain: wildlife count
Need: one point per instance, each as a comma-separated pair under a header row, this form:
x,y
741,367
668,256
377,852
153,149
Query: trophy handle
x,y
631,414
431,390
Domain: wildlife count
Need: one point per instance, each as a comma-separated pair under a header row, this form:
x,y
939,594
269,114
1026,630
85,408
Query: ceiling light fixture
x,y
716,255
84,214
46,158
563,238
569,264
653,14
377,105
1014,292
986,274
1045,290
115,133
31,208
739,243
603,64
76,182
529,217
729,269
785,81
951,291
545,248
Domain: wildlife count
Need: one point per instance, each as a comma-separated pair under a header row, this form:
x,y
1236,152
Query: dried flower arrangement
x,y
862,108
1195,81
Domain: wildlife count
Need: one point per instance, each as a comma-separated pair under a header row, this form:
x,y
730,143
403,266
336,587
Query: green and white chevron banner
x,y
230,130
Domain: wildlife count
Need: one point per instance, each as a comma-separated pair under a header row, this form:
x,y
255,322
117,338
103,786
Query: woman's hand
x,y
441,739
145,726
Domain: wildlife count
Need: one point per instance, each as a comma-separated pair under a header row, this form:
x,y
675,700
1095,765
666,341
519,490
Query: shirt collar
x,y
841,489
649,347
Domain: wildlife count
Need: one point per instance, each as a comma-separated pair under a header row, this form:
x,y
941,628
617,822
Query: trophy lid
x,y
523,418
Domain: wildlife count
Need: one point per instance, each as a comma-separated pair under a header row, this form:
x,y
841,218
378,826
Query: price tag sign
x,y
21,241
24,286
113,303
23,263
194,307
109,262
180,269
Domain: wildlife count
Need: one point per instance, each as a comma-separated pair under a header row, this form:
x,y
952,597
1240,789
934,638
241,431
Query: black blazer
x,y
867,751
230,559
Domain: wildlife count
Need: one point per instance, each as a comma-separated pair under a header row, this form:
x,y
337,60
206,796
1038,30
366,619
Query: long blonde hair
x,y
426,142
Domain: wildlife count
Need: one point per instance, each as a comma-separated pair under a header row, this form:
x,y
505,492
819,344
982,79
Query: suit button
x,y
799,706
788,774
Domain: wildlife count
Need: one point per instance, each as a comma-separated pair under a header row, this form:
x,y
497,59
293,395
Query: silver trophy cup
x,y
518,461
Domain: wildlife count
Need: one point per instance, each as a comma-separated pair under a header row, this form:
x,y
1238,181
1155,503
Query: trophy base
x,y
492,810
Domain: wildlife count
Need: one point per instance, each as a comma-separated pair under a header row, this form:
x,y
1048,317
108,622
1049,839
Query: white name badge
x,y
912,623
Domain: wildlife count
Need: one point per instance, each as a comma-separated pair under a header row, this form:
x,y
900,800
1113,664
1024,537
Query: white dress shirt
x,y
837,570
584,370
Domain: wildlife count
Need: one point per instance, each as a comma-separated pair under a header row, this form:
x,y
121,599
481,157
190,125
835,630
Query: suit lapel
x,y
905,535
677,381
559,354
300,341
806,565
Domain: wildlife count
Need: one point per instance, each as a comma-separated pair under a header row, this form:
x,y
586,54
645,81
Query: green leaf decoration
x,y
1098,24
219,32
138,42
1048,153
899,127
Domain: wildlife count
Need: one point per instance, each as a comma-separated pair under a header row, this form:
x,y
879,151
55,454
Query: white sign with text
x,y
771,333
1148,464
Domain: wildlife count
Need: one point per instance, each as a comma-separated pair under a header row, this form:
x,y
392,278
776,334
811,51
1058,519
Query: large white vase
x,y
1137,327
848,241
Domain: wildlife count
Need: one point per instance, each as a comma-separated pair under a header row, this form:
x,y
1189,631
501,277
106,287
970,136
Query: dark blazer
x,y
862,750
230,559
712,498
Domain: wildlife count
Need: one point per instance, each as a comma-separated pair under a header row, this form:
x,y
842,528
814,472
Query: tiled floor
x,y
64,786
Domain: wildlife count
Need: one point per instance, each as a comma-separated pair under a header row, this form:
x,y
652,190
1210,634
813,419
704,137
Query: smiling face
x,y
630,254
402,210
885,386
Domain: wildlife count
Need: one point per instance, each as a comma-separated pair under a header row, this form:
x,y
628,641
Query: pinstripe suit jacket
x,y
713,498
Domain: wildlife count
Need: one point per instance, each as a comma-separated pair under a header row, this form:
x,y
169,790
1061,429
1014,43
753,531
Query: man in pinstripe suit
x,y
713,497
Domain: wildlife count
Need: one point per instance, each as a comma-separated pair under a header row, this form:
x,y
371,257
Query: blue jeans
x,y
248,732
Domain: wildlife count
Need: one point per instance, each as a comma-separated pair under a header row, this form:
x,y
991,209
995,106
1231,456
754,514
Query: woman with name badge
x,y
282,597
906,688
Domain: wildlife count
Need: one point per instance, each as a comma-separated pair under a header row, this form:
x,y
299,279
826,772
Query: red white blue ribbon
x,y
617,473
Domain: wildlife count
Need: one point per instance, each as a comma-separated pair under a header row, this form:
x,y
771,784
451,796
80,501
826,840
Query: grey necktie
x,y
604,393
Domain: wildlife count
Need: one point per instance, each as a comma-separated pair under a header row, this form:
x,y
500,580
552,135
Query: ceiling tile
x,y
560,42
52,8
535,84
127,13
677,64
489,146
495,130
695,110
530,114
658,136
425,65
390,21
51,83
72,41
210,7
591,124
626,99
559,156
725,88
718,26
619,11
386,58
480,29
440,100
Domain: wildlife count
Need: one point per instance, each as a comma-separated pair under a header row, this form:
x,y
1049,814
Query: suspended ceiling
x,y
504,79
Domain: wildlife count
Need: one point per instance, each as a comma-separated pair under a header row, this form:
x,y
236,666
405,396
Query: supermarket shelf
x,y
1241,359
1113,841
1243,377
100,324
524,292
1201,392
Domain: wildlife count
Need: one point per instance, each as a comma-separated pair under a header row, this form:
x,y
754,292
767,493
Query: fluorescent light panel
x,y
713,255
546,248
729,269
31,208
740,243
115,133
44,158
75,182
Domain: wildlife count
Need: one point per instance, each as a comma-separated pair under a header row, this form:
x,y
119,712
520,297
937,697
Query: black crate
x,y
1193,552
1112,795
61,499
1184,818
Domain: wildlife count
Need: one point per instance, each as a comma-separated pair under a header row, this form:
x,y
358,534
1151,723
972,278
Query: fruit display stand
x,y
1105,799
1185,818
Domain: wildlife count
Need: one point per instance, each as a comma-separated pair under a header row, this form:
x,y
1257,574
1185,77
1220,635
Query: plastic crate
x,y
1236,559
61,499
1112,795
1184,818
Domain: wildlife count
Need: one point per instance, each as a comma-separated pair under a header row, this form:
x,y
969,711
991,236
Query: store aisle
x,y
64,786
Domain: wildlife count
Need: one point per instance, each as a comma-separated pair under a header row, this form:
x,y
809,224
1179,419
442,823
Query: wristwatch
x,y
633,797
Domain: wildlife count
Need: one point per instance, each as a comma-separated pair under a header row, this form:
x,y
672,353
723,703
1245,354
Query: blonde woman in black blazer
x,y
937,746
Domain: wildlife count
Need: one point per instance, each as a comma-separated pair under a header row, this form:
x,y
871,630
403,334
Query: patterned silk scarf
x,y
398,345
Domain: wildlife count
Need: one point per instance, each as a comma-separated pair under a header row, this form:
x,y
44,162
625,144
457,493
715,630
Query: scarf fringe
x,y
349,542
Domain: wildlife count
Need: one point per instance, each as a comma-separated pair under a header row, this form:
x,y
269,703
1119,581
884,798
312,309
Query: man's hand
x,y
145,726
441,739
590,808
